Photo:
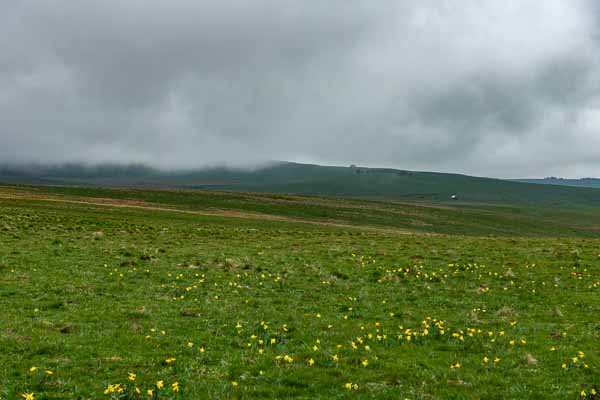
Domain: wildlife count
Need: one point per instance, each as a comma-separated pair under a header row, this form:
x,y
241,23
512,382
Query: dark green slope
x,y
283,177
582,182
435,187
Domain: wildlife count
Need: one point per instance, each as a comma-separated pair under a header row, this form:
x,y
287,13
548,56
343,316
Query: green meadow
x,y
184,294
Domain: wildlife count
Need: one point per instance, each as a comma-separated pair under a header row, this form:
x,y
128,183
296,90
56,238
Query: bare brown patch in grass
x,y
530,359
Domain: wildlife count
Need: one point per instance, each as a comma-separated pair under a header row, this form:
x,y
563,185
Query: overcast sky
x,y
496,88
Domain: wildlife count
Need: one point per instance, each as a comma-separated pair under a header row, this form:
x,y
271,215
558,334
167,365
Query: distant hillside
x,y
308,179
582,182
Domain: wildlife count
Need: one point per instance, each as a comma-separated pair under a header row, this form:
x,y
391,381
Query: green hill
x,y
581,182
285,177
456,218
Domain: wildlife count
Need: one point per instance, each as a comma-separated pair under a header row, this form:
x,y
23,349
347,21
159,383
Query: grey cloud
x,y
495,88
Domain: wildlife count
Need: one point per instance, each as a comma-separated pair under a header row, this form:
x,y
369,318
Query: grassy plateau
x,y
188,294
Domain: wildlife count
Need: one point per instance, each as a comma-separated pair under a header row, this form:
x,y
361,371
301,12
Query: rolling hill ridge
x,y
310,179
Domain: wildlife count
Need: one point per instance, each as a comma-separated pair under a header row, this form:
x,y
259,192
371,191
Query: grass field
x,y
194,295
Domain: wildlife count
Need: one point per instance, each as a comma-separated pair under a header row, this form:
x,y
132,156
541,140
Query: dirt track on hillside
x,y
8,194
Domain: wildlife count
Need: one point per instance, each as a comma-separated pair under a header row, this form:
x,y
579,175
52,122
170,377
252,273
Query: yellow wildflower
x,y
288,358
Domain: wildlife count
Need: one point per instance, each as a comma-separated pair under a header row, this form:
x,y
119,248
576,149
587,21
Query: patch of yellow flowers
x,y
116,390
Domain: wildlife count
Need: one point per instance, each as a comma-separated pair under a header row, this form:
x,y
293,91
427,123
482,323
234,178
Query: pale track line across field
x,y
136,204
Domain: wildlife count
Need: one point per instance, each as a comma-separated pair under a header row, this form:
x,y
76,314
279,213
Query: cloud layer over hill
x,y
500,88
